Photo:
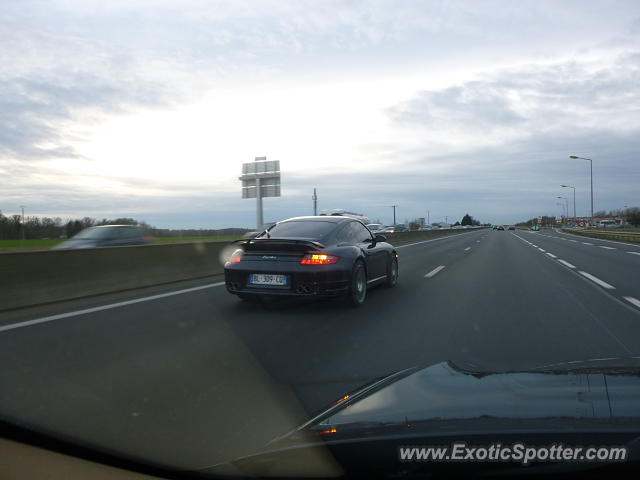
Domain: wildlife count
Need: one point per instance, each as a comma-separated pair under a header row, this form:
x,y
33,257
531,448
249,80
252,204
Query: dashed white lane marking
x,y
551,255
566,264
633,301
434,272
602,283
574,241
468,248
105,307
606,248
587,243
634,253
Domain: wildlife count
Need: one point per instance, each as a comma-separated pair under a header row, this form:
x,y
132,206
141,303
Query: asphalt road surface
x,y
188,375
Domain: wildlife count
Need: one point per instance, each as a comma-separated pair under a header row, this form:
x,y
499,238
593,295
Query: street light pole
x,y
574,199
591,168
394,213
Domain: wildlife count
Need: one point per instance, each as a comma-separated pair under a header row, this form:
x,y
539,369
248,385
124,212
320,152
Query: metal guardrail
x,y
606,232
633,237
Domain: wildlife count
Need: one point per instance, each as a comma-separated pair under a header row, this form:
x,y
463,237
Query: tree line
x,y
12,228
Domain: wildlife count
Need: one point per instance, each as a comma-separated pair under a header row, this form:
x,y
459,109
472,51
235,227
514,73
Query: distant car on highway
x,y
312,257
500,227
375,227
394,229
511,227
105,236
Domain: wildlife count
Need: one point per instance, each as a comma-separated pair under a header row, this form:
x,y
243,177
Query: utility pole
x,y
394,213
446,219
428,222
22,223
315,203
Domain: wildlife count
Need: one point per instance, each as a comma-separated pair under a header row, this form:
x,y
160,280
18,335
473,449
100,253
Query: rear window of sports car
x,y
301,229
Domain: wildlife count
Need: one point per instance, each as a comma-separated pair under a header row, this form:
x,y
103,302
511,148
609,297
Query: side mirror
x,y
380,238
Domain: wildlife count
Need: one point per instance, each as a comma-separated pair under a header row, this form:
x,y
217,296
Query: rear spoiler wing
x,y
267,242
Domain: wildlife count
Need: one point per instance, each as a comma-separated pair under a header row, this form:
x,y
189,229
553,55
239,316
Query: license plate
x,y
265,279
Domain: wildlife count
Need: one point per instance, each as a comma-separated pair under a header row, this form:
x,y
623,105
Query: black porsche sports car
x,y
312,256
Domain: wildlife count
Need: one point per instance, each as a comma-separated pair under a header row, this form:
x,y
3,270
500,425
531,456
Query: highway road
x,y
188,375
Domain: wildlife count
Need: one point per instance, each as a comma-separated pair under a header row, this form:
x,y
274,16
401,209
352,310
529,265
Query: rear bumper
x,y
326,280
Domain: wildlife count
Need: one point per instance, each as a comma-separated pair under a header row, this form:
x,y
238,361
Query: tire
x,y
392,272
358,288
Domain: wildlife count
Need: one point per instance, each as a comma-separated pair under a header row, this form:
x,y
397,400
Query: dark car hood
x,y
444,395
448,398
571,402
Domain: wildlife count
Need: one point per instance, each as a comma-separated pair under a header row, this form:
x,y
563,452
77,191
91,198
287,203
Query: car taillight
x,y
236,257
318,259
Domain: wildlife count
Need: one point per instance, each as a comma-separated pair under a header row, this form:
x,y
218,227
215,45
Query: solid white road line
x,y
602,283
432,240
534,245
434,272
606,248
566,264
551,255
634,253
541,249
632,300
27,323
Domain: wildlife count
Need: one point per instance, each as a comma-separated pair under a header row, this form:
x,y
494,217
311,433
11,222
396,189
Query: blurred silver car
x,y
105,236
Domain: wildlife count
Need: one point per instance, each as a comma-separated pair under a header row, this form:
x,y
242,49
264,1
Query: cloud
x,y
533,98
35,109
73,71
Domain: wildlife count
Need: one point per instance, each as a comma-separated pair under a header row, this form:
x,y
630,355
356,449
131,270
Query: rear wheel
x,y
358,288
392,271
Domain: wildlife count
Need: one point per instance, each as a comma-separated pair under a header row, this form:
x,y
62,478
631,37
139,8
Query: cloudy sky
x,y
148,108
